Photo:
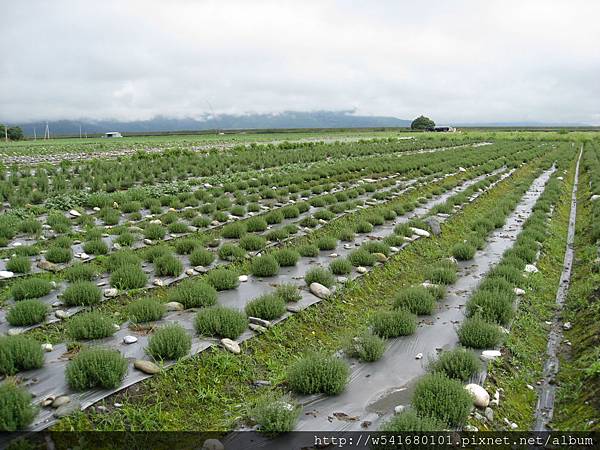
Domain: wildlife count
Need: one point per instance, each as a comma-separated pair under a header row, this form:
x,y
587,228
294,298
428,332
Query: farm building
x,y
112,134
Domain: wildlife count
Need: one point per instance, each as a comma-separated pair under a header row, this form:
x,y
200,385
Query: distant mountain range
x,y
287,119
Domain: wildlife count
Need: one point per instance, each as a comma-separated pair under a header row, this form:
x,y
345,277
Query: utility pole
x,y
6,133
47,131
34,135
79,131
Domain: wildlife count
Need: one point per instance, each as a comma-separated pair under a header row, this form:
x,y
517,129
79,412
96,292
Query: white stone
x,y
129,339
519,291
394,249
60,314
530,268
174,306
243,278
567,326
47,347
158,282
481,398
231,346
361,269
419,356
144,366
319,290
74,213
462,169
420,232
490,354
60,401
399,408
6,274
595,197
112,292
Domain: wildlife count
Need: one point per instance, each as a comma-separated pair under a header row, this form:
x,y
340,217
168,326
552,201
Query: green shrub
x,y
19,353
192,293
58,222
26,250
290,212
308,250
223,279
187,246
361,257
267,306
128,277
169,342
59,255
286,257
264,266
82,293
252,242
90,325
168,266
346,235
274,217
19,264
376,247
459,364
477,333
442,398
154,232
418,300
442,275
221,321
277,415
16,409
30,288
147,309
463,251
201,257
318,373
366,346
319,275
95,247
288,292
509,273
30,226
27,312
409,421
363,227
255,224
80,272
327,243
120,259
492,306
96,367
231,252
234,230
340,266
403,229
125,239
389,324
178,228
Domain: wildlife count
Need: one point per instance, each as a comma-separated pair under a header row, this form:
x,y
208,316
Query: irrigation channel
x,y
50,379
544,410
375,389
52,299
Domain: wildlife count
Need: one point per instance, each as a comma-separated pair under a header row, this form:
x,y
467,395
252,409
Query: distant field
x,y
247,278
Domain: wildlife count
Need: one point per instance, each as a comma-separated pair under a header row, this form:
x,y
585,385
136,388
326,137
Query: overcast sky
x,y
457,61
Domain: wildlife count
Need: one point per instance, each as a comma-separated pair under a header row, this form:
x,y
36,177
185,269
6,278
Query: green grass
x,y
418,300
319,275
277,415
389,324
193,293
30,288
409,421
288,293
223,279
264,266
128,277
19,264
459,364
366,347
475,332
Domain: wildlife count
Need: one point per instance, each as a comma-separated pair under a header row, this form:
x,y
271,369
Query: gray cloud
x,y
458,61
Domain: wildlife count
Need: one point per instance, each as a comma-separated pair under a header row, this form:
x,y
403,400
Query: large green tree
x,y
14,133
422,123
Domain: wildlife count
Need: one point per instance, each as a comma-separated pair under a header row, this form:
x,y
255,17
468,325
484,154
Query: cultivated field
x,y
334,281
